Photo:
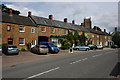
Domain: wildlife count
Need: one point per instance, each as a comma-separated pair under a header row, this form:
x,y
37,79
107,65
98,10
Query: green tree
x,y
116,39
82,39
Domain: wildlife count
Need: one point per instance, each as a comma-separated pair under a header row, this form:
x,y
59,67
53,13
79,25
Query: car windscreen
x,y
43,46
52,44
12,46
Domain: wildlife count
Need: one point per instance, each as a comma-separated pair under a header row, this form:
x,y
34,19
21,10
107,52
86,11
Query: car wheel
x,y
86,49
77,49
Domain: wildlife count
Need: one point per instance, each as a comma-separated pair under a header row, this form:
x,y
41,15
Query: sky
x,y
103,14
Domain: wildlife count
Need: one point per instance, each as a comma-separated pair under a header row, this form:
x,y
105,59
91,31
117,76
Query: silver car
x,y
10,49
85,48
40,49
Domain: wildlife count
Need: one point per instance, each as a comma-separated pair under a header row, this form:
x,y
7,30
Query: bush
x,y
23,49
65,47
106,46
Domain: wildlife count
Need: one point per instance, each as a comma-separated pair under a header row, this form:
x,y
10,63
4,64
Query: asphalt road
x,y
91,64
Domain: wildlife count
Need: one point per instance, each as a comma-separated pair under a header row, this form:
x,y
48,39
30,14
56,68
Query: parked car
x,y
0,50
85,48
114,46
40,49
99,46
10,49
52,48
92,47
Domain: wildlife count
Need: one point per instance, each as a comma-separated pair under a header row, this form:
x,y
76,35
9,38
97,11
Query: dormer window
x,y
22,29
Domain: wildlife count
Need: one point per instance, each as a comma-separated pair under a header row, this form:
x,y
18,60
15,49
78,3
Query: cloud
x,y
107,21
24,10
103,14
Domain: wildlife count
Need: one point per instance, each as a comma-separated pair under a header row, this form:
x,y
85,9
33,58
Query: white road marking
x,y
97,55
42,73
84,59
79,60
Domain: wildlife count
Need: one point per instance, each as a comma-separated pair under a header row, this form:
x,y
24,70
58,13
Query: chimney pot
x,y
51,17
104,30
29,13
11,12
95,27
65,20
73,21
115,28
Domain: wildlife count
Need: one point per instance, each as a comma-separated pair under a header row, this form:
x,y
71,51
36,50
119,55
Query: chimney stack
x,y
51,17
29,13
95,27
115,28
73,21
11,12
82,24
104,30
65,20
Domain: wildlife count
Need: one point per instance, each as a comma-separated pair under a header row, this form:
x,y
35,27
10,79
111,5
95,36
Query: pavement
x,y
26,56
80,64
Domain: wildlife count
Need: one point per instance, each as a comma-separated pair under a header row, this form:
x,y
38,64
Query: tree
x,y
71,39
116,38
7,10
82,39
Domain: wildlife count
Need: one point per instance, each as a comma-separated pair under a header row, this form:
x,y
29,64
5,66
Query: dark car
x,y
92,47
114,46
40,49
10,49
52,48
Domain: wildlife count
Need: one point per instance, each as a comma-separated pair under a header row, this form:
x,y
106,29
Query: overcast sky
x,y
103,14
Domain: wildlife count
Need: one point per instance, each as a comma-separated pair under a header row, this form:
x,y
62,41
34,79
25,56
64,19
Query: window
x,y
105,37
8,27
32,30
21,41
43,29
22,29
97,36
66,31
92,35
52,30
33,42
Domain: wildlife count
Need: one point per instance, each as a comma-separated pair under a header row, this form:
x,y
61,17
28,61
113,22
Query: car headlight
x,y
52,48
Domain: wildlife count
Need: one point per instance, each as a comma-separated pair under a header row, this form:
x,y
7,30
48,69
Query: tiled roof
x,y
59,24
35,20
98,32
16,19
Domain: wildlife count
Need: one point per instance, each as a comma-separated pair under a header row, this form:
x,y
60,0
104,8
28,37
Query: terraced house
x,y
21,30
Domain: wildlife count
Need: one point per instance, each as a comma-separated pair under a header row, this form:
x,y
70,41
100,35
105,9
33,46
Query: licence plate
x,y
14,50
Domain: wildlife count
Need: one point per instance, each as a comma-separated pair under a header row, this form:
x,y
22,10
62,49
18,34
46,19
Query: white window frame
x,y
8,27
23,29
105,37
92,35
23,41
97,36
52,30
32,30
44,28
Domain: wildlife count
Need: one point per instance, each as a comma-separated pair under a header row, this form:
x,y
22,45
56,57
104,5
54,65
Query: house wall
x,y
16,34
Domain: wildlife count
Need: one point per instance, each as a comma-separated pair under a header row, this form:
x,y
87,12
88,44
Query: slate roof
x,y
98,32
35,20
16,19
56,23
